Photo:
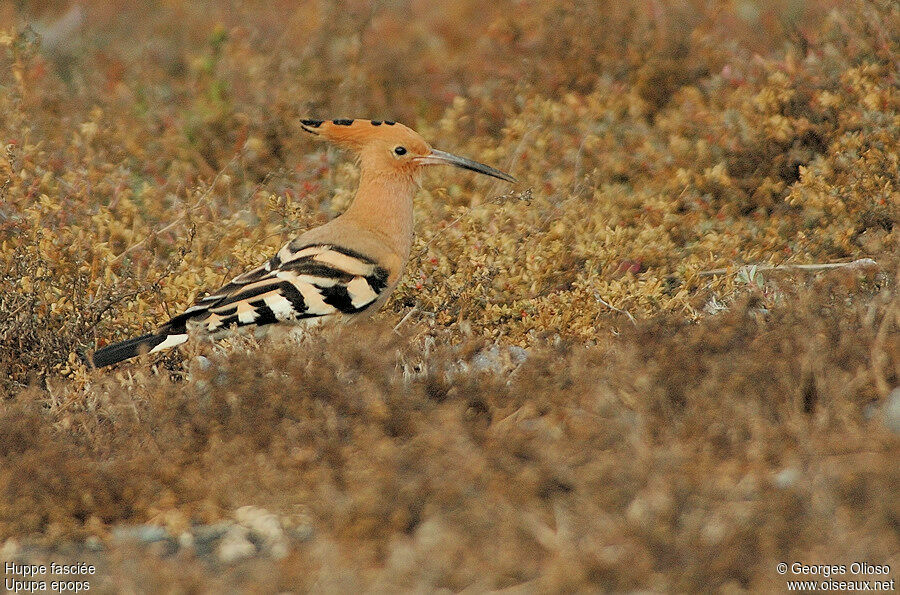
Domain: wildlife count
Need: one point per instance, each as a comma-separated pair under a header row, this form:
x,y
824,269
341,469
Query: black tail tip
x,y
117,352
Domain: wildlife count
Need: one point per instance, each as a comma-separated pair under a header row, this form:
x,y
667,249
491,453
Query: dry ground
x,y
613,378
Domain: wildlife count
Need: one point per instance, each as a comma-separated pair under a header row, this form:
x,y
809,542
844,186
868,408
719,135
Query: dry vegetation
x,y
152,150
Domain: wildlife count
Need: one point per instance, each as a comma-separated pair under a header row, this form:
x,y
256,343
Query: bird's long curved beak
x,y
436,157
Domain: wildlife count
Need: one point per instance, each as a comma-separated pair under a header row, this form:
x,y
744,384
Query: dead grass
x,y
738,422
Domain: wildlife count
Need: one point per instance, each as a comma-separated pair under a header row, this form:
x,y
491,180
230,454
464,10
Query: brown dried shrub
x,y
151,151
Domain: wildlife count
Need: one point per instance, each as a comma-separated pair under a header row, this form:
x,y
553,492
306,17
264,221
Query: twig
x,y
859,263
578,159
614,309
405,318
514,157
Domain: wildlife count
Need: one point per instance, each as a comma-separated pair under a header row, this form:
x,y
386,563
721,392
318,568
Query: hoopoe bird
x,y
341,270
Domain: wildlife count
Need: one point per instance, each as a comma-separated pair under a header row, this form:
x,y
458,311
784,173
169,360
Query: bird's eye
x,y
400,150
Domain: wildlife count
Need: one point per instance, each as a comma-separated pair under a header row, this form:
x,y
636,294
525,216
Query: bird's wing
x,y
300,282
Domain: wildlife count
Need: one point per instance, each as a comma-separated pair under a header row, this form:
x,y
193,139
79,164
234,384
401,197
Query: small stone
x,y
517,354
488,360
164,548
891,411
10,549
140,533
259,521
205,537
265,527
786,478
279,550
92,542
186,540
870,411
208,533
235,545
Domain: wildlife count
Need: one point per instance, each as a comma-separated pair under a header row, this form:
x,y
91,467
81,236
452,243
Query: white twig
x,y
861,263
405,318
614,309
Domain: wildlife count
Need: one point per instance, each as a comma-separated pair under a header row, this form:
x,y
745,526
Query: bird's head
x,y
390,148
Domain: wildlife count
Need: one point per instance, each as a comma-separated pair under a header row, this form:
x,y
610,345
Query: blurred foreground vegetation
x,y
693,408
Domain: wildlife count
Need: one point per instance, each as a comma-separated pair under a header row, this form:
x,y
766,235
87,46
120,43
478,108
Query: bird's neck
x,y
383,205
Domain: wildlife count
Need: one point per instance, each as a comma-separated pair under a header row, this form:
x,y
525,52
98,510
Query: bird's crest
x,y
356,133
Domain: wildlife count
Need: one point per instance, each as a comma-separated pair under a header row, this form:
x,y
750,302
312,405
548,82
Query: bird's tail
x,y
149,343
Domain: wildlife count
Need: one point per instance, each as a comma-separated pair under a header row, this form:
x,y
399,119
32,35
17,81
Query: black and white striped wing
x,y
305,282
295,284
